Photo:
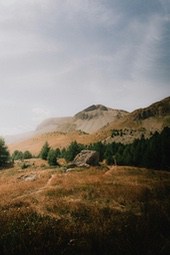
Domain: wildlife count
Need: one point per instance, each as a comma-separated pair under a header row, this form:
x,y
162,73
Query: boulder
x,y
86,158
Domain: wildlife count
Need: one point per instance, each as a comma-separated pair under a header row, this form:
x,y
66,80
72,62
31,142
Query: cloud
x,y
40,114
64,55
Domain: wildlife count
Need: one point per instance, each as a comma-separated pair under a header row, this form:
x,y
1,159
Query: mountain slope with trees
x,y
144,121
149,153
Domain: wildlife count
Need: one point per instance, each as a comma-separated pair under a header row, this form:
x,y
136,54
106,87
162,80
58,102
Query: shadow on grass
x,y
89,230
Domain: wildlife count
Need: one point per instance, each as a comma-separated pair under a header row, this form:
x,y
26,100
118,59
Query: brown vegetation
x,y
55,140
117,210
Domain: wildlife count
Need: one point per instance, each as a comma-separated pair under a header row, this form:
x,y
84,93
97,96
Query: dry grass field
x,y
100,210
55,140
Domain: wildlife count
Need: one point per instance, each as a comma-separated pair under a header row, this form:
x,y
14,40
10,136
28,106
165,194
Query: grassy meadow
x,y
99,210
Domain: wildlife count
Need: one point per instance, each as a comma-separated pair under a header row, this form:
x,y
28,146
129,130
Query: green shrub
x,y
52,157
27,155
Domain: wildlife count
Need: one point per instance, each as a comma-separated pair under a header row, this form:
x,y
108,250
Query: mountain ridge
x,y
89,120
158,109
143,121
124,129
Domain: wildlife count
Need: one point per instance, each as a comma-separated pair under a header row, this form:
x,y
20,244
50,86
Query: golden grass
x,y
119,188
86,211
55,140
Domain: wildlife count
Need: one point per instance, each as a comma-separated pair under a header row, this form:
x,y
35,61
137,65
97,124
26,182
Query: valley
x,y
119,206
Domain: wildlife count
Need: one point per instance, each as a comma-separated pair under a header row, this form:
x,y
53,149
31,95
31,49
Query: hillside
x,y
89,120
144,121
55,140
99,123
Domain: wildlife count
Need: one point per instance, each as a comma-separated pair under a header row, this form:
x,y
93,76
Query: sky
x,y
58,57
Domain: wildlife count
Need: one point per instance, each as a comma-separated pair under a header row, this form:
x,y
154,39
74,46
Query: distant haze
x,y
58,57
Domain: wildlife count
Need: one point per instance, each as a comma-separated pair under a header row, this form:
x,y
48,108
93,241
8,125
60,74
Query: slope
x,y
89,120
124,127
144,121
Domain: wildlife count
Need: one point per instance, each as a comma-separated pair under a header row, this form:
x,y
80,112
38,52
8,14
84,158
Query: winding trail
x,y
47,185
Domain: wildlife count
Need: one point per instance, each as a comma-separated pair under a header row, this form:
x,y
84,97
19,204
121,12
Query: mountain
x,y
144,121
159,109
99,123
89,120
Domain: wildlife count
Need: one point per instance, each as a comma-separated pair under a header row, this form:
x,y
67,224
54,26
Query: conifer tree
x,y
44,151
52,157
73,149
108,155
4,153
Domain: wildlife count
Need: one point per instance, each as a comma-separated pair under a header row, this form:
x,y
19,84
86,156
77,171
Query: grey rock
x,y
86,158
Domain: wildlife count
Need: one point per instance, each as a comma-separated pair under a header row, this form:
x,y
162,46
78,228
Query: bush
x,y
27,155
24,165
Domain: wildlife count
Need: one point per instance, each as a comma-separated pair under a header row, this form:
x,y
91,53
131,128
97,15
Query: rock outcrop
x,y
158,109
86,158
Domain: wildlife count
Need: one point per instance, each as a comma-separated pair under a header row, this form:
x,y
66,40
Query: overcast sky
x,y
58,57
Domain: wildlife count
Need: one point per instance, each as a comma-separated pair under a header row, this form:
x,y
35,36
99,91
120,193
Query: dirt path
x,y
50,180
111,170
39,205
37,191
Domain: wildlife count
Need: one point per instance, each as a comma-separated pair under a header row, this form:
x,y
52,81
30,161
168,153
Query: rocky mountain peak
x,y
96,107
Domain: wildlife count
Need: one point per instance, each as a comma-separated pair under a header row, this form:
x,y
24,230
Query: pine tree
x,y
165,145
4,153
108,155
100,148
52,157
44,151
73,149
18,155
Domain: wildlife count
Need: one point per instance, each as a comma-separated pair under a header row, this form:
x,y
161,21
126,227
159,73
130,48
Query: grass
x,y
100,210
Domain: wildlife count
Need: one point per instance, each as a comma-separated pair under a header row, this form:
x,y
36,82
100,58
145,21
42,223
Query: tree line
x,y
149,153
